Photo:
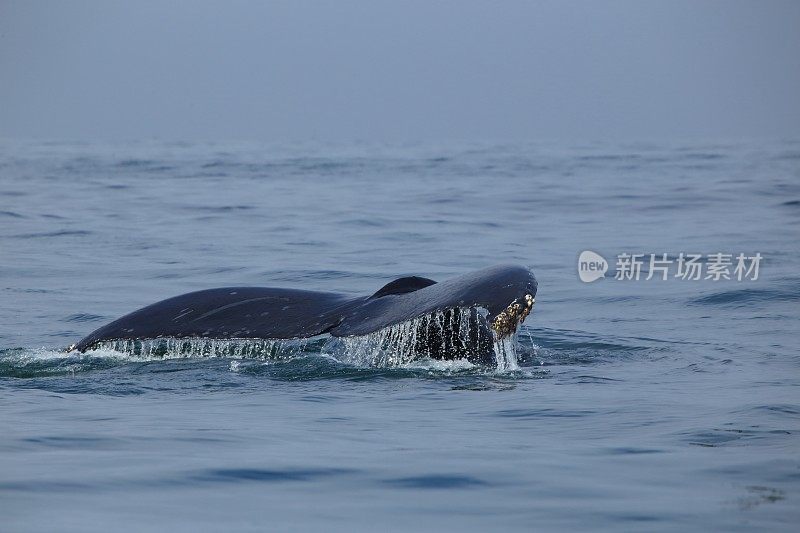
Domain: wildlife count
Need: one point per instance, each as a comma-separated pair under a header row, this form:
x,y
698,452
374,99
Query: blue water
x,y
638,405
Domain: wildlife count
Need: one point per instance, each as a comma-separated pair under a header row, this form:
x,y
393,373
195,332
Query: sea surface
x,y
637,405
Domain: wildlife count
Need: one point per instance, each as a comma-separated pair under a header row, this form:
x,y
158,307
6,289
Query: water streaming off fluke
x,y
459,333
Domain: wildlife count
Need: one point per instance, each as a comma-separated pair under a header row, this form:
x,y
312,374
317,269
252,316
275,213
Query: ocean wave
x,y
61,233
747,296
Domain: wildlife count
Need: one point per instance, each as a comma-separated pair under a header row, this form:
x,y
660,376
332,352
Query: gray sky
x,y
397,71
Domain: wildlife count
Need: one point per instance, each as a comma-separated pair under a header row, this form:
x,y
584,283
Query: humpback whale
x,y
461,317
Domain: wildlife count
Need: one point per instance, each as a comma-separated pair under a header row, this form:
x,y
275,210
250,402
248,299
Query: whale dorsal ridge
x,y
403,285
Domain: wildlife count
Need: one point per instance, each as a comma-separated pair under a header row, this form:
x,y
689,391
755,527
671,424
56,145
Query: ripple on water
x,y
718,437
437,481
83,317
43,362
547,346
759,495
258,475
73,442
626,450
748,296
531,414
47,234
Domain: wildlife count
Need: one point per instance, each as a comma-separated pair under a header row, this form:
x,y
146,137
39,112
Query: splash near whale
x,y
473,316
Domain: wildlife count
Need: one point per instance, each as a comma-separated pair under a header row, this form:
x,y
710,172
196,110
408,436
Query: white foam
x,y
440,365
197,347
505,353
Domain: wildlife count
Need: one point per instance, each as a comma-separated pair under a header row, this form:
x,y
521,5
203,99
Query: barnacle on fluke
x,y
463,317
506,322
